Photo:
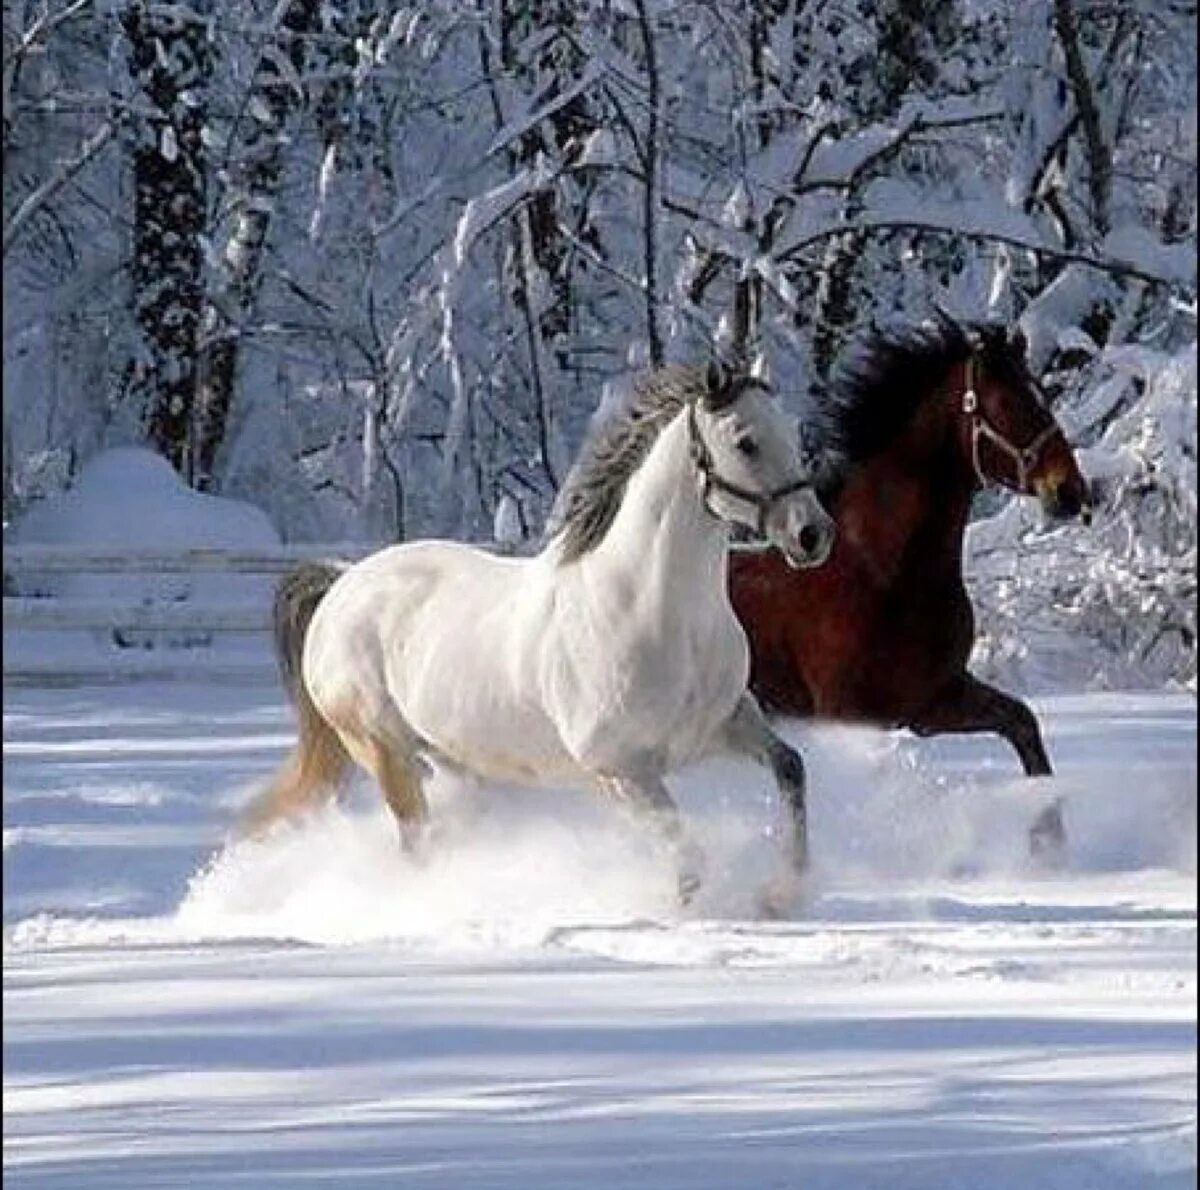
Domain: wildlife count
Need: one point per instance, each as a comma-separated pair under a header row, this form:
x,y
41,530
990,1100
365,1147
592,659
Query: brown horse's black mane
x,y
882,377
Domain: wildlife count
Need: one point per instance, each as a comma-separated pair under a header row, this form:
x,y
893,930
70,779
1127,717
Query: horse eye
x,y
747,446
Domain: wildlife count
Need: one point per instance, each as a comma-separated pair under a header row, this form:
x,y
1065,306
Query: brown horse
x,y
882,632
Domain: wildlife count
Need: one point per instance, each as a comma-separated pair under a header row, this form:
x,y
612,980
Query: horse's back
x,y
427,638
387,604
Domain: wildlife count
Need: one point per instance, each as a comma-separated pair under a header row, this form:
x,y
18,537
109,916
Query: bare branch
x,y
52,185
39,31
1099,154
1117,268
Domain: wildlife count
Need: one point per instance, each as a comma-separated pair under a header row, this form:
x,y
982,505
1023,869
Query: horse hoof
x,y
772,907
784,897
689,868
417,841
1048,837
689,886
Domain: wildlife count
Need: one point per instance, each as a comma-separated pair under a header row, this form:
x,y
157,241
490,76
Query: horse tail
x,y
296,599
319,759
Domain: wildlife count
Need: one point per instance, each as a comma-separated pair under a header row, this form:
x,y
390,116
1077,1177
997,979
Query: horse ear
x,y
717,385
947,320
954,331
1017,340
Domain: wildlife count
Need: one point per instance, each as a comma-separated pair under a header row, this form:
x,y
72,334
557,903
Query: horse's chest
x,y
676,676
658,696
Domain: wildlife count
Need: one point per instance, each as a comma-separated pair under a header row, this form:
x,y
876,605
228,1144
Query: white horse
x,y
608,659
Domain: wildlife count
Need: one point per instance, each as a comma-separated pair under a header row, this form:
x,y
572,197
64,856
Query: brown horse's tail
x,y
319,760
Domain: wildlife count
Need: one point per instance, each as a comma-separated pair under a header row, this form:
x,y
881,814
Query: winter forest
x,y
373,266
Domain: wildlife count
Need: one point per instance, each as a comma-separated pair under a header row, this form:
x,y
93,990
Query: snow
x,y
1133,245
127,500
480,213
519,124
527,1006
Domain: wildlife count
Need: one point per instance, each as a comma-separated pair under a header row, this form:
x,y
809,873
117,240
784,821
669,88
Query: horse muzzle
x,y
1065,498
808,539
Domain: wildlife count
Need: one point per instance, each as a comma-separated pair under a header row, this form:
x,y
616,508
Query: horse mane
x,y
613,450
882,377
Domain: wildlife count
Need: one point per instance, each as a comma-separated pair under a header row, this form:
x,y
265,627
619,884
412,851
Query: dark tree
x,y
168,49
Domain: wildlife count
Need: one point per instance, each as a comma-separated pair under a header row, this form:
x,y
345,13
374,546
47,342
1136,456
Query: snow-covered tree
x,y
373,266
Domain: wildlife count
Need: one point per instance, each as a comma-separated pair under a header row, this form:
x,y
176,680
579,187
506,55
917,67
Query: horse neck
x,y
916,493
662,533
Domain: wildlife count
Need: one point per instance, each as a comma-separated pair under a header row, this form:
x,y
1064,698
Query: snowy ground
x,y
528,1009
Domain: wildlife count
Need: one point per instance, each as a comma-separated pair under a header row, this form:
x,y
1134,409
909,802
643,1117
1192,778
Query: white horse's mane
x,y
590,496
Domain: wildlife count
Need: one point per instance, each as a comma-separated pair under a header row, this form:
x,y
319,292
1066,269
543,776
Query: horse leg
x,y
969,705
748,733
649,797
398,774
400,779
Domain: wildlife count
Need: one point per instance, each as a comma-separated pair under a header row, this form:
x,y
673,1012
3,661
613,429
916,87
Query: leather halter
x,y
1023,458
763,502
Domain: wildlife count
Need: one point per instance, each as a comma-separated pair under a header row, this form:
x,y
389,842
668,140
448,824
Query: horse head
x,y
1006,428
746,450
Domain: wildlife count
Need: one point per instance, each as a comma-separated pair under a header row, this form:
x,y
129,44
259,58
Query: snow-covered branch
x,y
1183,280
401,250
38,199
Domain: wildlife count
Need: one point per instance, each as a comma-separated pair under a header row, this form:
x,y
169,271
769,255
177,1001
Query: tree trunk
x,y
1099,156
168,57
650,192
259,170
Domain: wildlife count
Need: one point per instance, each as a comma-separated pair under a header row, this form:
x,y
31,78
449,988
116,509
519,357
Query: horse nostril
x,y
1068,501
809,539
1065,500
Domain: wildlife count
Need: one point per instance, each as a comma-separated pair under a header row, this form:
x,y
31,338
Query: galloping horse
x,y
882,632
608,659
